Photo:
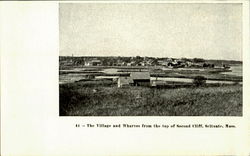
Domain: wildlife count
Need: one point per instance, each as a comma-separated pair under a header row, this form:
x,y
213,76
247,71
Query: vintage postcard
x,y
125,78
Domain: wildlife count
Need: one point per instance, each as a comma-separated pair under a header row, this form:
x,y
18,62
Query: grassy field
x,y
104,99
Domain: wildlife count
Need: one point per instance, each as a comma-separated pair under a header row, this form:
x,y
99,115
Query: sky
x,y
210,31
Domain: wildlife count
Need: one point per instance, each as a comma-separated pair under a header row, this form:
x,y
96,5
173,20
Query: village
x,y
145,71
139,61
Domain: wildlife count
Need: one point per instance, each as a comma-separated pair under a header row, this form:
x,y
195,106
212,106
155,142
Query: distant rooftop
x,y
126,80
140,75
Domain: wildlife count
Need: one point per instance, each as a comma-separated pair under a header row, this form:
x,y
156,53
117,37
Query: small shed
x,y
140,78
124,81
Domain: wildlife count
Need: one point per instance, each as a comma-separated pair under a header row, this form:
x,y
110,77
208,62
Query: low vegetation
x,y
103,99
199,81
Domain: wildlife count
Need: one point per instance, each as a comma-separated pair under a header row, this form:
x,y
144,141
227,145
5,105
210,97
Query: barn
x,y
140,78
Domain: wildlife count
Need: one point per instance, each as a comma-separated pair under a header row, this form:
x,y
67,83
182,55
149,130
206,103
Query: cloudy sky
x,y
211,31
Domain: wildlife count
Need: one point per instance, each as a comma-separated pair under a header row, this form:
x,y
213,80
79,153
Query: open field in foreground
x,y
78,100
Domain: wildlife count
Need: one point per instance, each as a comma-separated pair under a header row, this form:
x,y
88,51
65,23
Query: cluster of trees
x,y
109,61
105,61
198,60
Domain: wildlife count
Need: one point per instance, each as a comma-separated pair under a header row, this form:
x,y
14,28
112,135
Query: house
x,y
129,64
150,62
140,78
124,81
160,62
189,64
87,63
94,62
165,63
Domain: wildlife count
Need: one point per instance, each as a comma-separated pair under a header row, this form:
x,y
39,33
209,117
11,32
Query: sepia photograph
x,y
101,78
150,59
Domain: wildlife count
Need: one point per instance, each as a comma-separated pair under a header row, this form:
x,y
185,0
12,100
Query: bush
x,y
70,99
199,81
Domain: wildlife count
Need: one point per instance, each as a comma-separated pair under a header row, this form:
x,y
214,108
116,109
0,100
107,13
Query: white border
x,y
29,99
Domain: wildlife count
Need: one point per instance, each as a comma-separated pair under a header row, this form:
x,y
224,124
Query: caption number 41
x,y
78,125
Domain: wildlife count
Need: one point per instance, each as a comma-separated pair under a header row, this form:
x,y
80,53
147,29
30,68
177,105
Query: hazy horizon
x,y
152,56
208,31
